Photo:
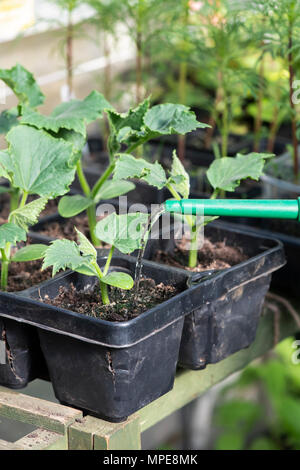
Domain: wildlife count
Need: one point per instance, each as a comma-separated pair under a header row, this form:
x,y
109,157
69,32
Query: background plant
x,y
221,42
68,32
283,42
260,410
146,22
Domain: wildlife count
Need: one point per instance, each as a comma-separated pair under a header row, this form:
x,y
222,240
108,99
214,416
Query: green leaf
x,y
30,253
122,231
182,186
226,173
23,84
29,214
4,164
114,188
127,128
121,280
233,440
37,162
128,166
8,119
11,233
69,206
64,254
264,443
164,119
85,245
87,270
73,115
134,119
77,140
141,124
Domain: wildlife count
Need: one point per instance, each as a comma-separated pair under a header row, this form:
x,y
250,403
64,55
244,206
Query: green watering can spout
x,y
262,208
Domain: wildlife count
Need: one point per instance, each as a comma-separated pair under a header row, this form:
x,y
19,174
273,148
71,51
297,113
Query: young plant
x,y
129,130
28,93
123,232
35,163
224,174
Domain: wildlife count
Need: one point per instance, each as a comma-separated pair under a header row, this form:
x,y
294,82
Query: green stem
x,y
23,200
91,211
103,286
82,179
91,214
108,261
104,293
103,178
4,270
14,199
193,254
214,194
5,252
225,129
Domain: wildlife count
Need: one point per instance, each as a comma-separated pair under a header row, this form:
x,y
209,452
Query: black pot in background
x,y
230,301
286,280
109,369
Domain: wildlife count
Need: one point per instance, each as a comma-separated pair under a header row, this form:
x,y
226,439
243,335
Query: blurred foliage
x,y
261,409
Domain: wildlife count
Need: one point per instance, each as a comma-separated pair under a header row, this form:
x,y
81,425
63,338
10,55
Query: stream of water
x,y
153,217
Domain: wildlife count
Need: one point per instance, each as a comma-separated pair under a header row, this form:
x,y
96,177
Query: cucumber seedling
x,y
123,232
224,174
37,164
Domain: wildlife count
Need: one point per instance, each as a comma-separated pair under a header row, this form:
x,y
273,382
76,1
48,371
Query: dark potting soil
x,y
216,255
65,228
21,276
124,304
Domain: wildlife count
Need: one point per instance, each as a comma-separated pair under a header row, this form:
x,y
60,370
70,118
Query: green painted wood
x,y
92,433
81,433
42,439
40,413
120,436
191,384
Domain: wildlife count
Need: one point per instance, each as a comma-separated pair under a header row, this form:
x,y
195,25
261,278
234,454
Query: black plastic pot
x,y
109,369
230,301
286,280
23,356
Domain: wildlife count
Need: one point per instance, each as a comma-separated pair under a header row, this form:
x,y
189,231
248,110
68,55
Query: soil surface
x,y
211,256
21,276
65,228
124,304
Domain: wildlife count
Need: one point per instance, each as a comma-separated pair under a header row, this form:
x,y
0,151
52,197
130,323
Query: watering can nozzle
x,y
260,208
